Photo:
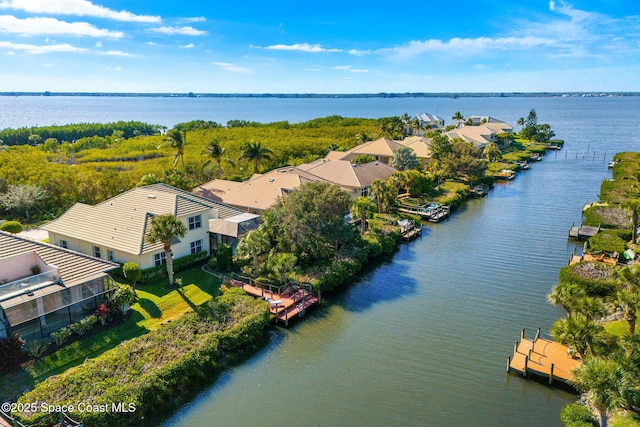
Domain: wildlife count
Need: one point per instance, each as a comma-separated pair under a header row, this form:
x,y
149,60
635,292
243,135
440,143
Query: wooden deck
x,y
432,212
544,358
284,305
593,258
583,231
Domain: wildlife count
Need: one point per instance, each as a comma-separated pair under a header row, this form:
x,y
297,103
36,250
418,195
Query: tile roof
x,y
74,267
380,147
122,221
346,174
258,193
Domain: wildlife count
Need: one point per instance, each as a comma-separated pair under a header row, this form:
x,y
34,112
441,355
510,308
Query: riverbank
x,y
596,289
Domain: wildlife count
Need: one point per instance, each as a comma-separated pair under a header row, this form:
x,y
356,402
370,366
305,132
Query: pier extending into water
x,y
544,358
285,302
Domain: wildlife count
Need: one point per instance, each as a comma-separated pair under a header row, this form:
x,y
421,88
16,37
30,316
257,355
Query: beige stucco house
x,y
44,287
355,178
114,229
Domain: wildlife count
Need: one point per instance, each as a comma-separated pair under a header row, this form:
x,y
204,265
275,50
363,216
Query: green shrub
x,y
61,335
36,348
11,351
11,227
606,216
593,277
224,258
159,371
609,241
577,415
155,274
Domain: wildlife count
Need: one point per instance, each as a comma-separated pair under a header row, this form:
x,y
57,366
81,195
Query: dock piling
x,y
551,375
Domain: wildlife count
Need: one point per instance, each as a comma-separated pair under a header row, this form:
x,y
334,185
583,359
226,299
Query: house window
x,y
64,244
110,255
159,259
364,191
96,252
196,246
195,222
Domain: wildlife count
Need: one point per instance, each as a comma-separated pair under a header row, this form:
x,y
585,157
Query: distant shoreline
x,y
333,95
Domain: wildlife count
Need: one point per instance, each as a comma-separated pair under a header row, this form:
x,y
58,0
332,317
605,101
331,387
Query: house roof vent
x,y
151,196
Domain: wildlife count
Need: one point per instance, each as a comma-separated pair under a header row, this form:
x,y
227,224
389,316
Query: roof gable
x,y
122,221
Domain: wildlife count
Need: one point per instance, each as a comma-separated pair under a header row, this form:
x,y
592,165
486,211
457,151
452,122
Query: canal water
x,y
423,338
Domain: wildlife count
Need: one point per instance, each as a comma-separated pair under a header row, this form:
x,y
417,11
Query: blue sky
x,y
350,46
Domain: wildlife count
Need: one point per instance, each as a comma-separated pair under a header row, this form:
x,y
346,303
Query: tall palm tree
x,y
177,140
605,382
214,151
627,296
458,118
164,228
520,122
633,206
363,208
579,333
255,153
253,244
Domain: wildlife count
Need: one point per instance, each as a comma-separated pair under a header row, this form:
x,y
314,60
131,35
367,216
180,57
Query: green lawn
x,y
155,306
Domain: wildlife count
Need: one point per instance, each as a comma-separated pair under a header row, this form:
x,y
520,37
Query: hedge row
x,y
157,373
155,274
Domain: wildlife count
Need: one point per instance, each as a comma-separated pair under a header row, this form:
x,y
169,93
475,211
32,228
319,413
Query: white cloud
x,y
233,68
348,68
302,47
39,26
35,49
76,8
552,5
188,46
194,19
184,31
417,47
117,53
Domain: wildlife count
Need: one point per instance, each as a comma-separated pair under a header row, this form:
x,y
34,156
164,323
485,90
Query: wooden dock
x,y
284,304
409,230
543,358
593,258
581,232
432,212
480,190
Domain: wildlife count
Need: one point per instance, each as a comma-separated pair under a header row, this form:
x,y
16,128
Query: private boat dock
x,y
543,358
582,231
432,212
409,230
285,303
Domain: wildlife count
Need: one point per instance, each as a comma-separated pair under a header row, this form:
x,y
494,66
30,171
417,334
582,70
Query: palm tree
x,y
633,206
255,153
627,296
164,228
458,118
363,208
214,151
579,333
492,152
606,384
176,139
520,122
253,244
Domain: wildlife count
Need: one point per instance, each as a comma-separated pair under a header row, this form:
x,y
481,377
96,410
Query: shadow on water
x,y
380,282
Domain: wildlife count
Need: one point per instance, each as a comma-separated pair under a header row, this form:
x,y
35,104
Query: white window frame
x,y
64,244
97,252
159,259
195,222
110,255
196,246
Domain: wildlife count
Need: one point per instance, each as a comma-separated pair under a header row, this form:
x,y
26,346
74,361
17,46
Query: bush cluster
x,y
160,371
11,351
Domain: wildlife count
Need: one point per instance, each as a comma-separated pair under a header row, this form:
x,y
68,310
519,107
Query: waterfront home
x,y
257,193
44,287
115,229
381,149
429,122
355,178
480,136
421,147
